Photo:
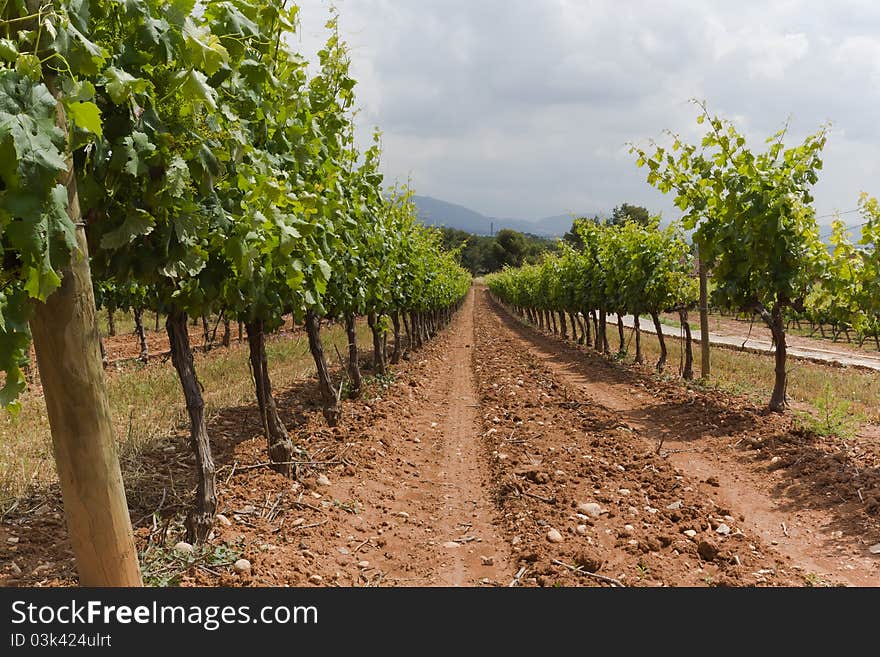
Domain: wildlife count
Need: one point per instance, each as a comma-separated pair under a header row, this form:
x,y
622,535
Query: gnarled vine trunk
x,y
620,334
774,320
415,340
206,334
661,362
409,337
378,351
602,343
329,396
280,447
354,367
398,347
640,359
142,337
200,519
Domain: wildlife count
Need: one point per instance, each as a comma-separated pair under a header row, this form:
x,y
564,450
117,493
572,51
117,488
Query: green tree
x,y
752,219
625,212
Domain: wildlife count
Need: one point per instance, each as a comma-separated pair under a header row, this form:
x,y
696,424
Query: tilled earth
x,y
580,493
494,457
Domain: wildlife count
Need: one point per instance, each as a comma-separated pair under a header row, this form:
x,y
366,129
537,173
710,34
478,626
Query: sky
x,y
524,108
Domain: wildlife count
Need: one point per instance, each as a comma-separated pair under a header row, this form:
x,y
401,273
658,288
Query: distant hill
x,y
434,212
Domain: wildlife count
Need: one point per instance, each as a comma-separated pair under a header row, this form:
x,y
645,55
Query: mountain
x,y
435,212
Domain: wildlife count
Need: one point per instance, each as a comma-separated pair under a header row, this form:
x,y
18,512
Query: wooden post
x,y
66,340
704,319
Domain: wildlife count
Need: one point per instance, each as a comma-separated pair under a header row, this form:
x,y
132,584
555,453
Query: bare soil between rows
x,y
468,469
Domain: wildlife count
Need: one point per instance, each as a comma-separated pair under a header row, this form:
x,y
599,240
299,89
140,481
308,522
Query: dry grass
x,y
752,375
147,404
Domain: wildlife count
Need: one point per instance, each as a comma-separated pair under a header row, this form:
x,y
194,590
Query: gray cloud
x,y
523,108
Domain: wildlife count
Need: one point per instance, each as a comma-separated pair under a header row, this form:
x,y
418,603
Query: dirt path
x,y
451,517
827,538
418,494
798,347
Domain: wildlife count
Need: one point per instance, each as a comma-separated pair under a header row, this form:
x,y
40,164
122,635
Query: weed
x,y
348,507
834,416
164,566
813,580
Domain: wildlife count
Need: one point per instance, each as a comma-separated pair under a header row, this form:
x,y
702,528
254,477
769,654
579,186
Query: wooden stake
x,y
65,333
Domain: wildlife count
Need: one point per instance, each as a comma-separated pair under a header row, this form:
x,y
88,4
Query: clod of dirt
x,y
651,544
242,567
707,550
487,561
536,476
713,481
589,561
554,536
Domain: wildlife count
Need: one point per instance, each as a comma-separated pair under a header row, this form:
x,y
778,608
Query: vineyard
x,y
257,367
180,161
753,229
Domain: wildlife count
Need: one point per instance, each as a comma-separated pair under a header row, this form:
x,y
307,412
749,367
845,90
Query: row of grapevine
x,y
621,269
190,153
752,221
846,298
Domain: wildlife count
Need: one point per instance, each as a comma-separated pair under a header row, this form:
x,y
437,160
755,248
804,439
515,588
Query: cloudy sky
x,y
523,108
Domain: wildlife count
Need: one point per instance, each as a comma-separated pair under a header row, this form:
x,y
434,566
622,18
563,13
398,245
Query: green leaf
x,y
120,85
324,266
195,84
59,227
177,176
86,116
8,50
137,223
41,280
205,49
30,66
